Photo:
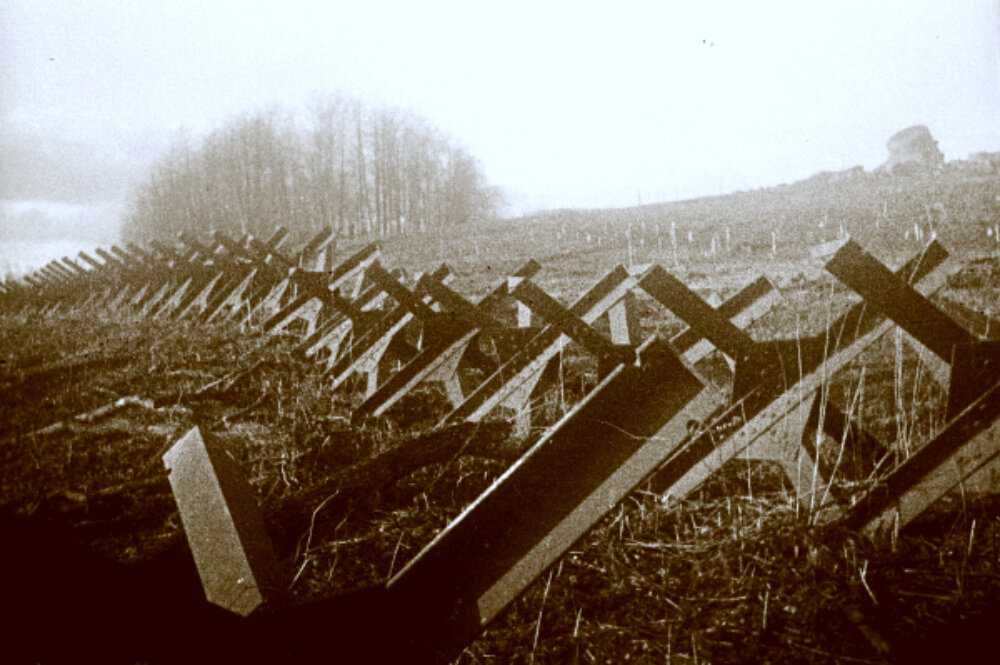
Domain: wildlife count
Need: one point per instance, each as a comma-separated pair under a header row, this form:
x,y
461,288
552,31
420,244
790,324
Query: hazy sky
x,y
565,104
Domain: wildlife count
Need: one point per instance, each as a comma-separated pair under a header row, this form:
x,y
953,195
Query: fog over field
x,y
564,104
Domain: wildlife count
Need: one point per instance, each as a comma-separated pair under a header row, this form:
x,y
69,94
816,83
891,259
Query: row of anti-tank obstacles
x,y
652,419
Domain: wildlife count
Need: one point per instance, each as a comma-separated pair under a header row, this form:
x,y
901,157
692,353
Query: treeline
x,y
361,170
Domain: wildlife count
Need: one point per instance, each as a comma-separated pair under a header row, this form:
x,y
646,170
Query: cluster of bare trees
x,y
361,170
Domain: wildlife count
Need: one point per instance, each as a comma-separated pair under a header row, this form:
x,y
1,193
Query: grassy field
x,y
735,573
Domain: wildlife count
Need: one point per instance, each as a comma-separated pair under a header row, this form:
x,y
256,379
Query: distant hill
x,y
958,200
891,212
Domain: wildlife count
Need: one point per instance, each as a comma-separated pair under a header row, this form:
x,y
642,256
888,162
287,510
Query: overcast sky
x,y
565,104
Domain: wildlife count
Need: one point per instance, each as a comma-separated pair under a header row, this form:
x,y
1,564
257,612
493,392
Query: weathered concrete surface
x,y
234,556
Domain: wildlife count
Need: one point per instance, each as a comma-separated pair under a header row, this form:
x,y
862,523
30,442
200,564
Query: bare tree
x,y
362,170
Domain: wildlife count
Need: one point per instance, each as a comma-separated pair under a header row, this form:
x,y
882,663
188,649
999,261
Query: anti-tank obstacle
x,y
637,417
652,420
429,333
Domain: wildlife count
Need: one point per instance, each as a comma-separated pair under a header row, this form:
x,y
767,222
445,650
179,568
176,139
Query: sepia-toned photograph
x,y
469,333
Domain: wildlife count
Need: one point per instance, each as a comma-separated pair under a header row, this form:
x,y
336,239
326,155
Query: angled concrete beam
x,y
223,525
552,496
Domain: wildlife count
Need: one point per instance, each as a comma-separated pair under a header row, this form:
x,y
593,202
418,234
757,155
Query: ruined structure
x,y
915,147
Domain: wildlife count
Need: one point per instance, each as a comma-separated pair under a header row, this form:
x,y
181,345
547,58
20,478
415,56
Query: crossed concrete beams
x,y
256,281
432,332
964,452
652,415
168,282
782,410
605,446
646,397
